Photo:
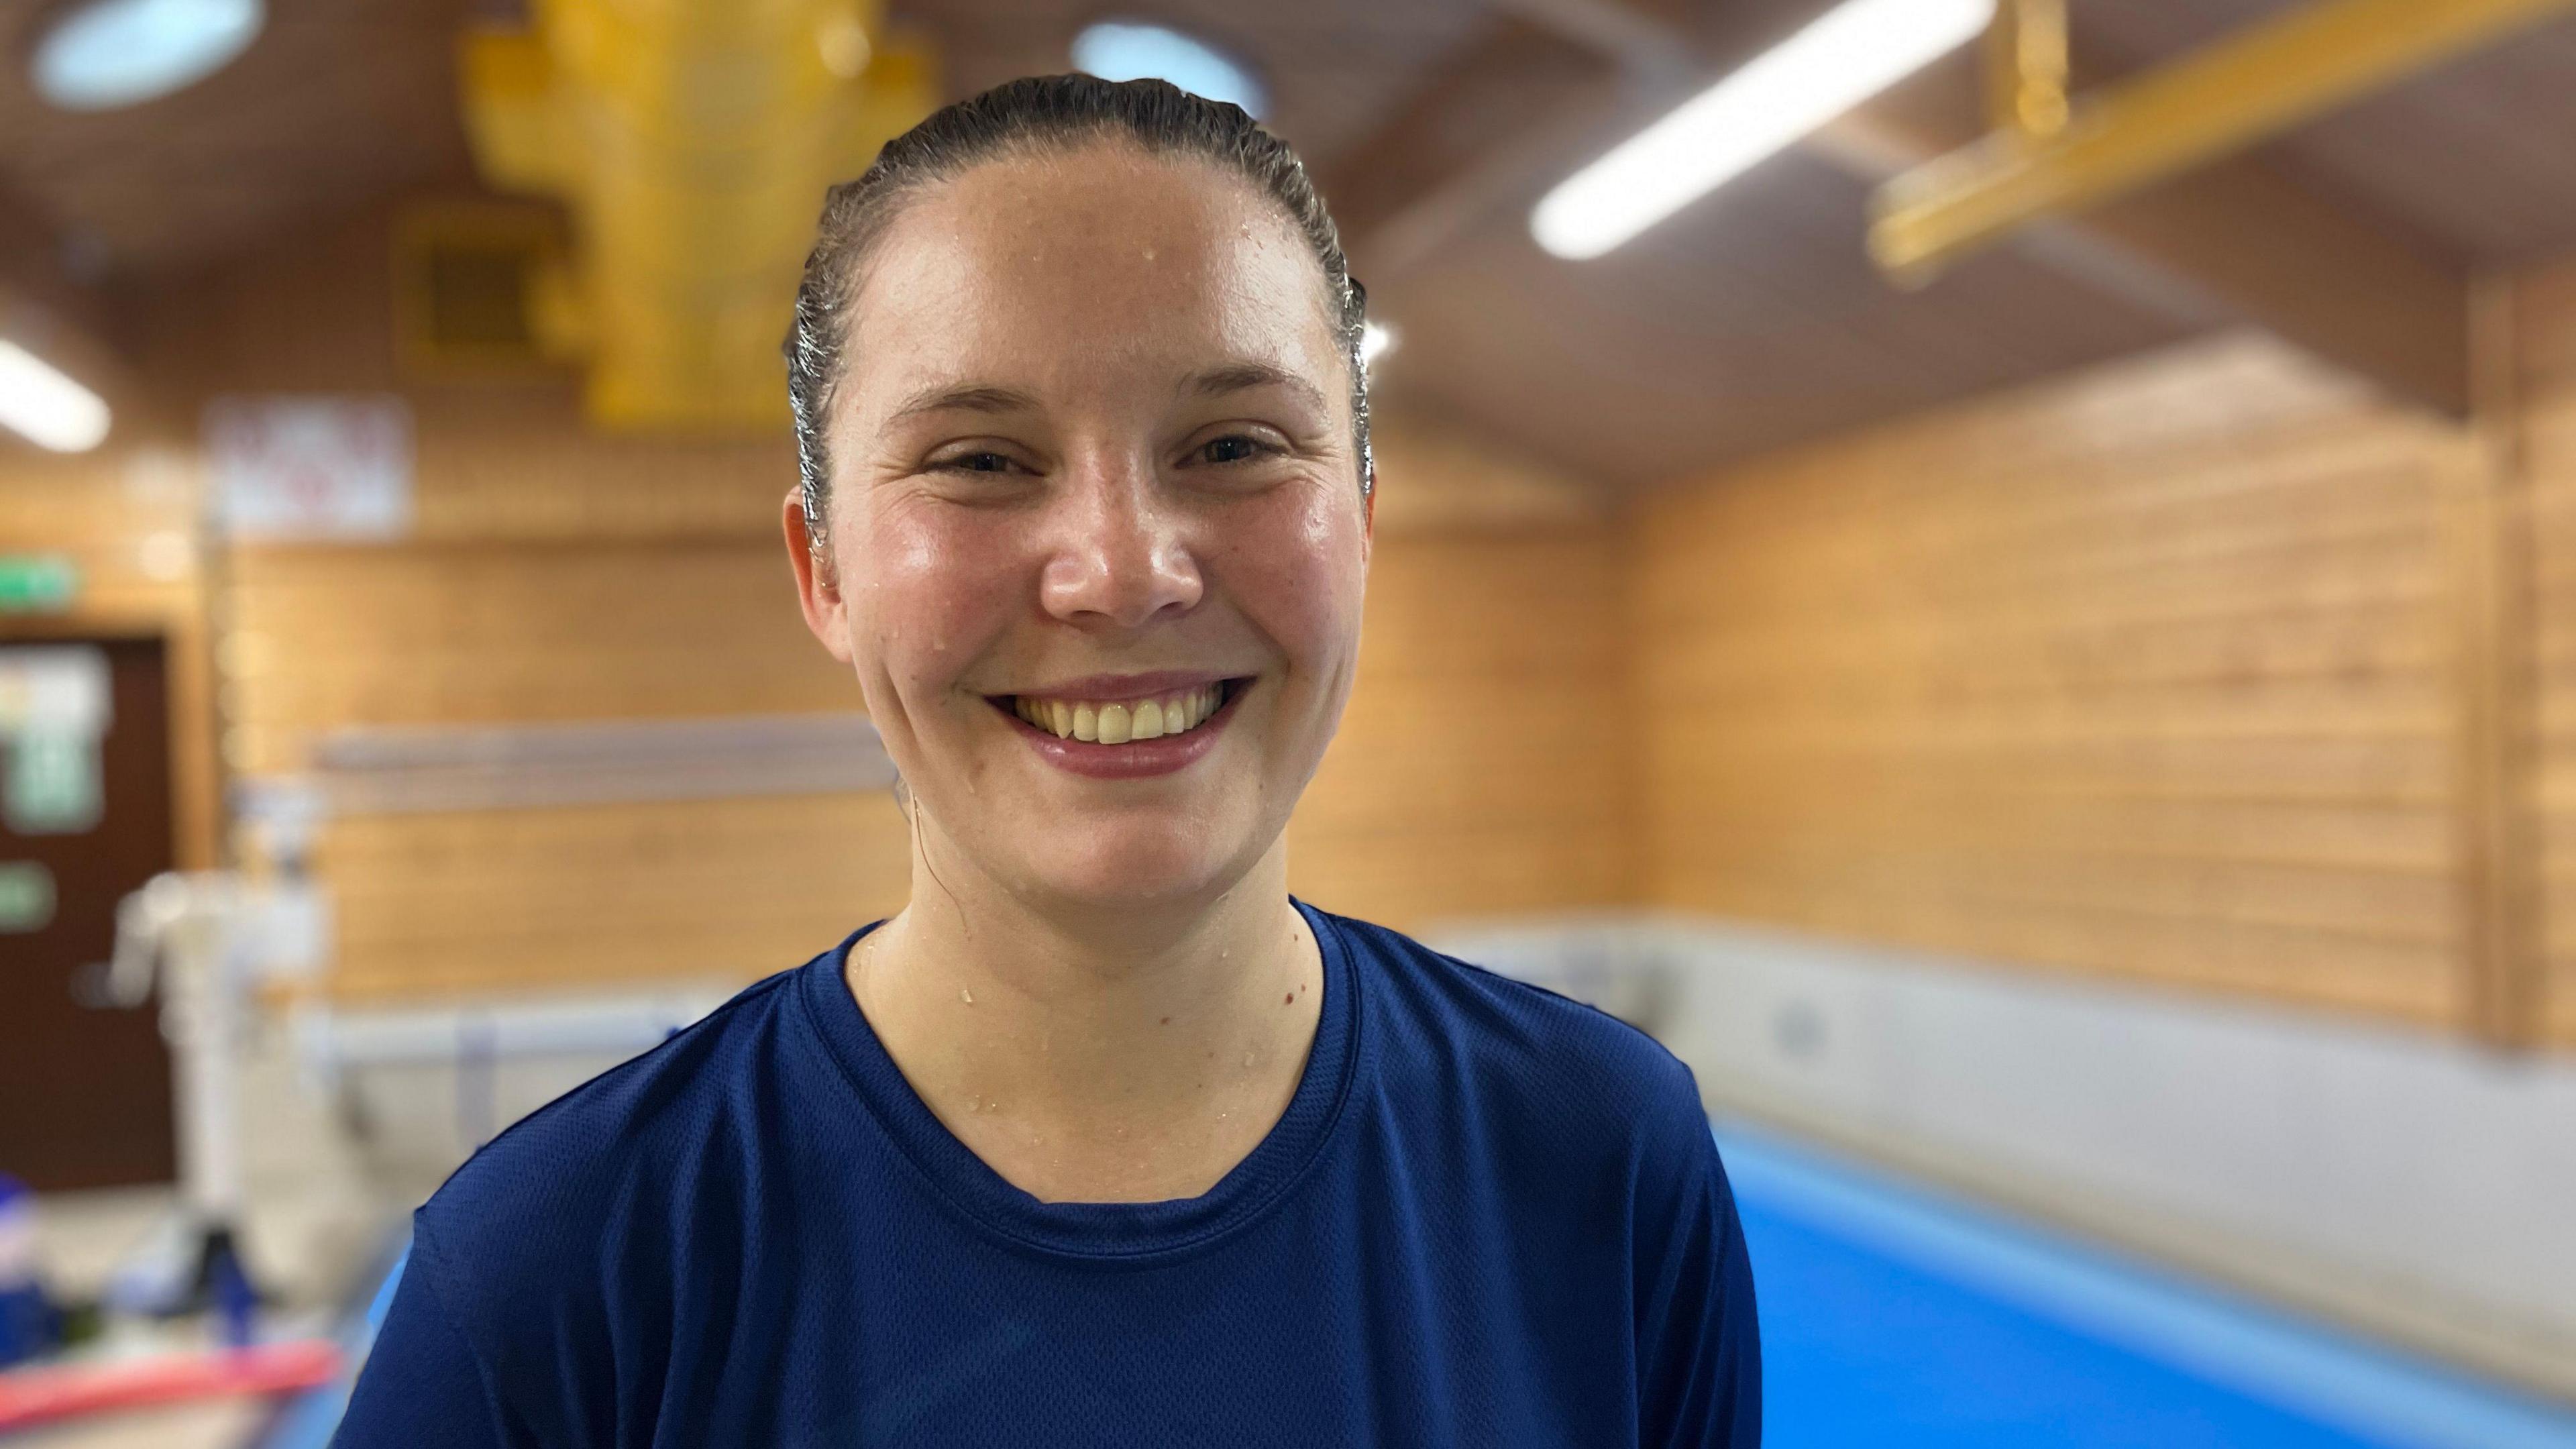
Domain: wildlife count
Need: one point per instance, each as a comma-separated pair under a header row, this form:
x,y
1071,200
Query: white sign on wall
x,y
288,467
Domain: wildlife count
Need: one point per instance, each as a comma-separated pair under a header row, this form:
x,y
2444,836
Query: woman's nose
x,y
1120,555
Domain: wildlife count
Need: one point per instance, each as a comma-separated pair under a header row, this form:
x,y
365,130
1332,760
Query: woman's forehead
x,y
1105,258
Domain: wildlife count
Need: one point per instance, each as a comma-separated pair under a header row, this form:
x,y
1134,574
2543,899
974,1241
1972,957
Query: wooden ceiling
x,y
338,103
1736,328
1750,321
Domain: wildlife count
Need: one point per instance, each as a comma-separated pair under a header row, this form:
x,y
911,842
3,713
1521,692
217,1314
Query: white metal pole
x,y
201,1018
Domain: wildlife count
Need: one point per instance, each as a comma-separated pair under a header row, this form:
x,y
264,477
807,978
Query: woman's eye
x,y
1233,448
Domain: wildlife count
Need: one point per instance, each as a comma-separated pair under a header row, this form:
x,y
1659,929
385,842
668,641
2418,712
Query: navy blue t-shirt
x,y
1489,1217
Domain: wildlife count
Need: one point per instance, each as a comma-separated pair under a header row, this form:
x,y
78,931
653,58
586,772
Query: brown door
x,y
84,1093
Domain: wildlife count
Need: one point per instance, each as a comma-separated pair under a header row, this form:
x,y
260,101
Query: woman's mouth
x,y
1119,722
1121,732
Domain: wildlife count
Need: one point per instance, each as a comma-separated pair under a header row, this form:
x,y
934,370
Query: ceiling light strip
x,y
1850,54
45,406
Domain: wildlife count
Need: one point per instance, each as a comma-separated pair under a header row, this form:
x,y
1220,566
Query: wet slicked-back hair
x,y
1023,117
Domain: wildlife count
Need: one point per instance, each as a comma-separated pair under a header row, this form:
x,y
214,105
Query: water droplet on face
x,y
969,996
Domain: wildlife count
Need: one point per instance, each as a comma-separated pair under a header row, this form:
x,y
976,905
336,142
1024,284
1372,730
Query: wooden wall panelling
x,y
606,895
1483,767
324,638
2147,672
457,633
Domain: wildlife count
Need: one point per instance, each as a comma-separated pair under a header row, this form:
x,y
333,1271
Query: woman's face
x,y
1097,534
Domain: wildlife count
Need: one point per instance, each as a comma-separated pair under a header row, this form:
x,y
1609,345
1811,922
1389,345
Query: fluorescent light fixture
x,y
1134,50
1853,52
49,409
1375,339
111,53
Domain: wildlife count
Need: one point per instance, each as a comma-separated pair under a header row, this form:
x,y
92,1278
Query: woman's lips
x,y
1137,758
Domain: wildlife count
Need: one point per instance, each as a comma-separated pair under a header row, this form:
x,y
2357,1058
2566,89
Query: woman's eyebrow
x,y
1238,376
974,397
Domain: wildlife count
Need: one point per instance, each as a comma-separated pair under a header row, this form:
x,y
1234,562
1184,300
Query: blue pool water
x,y
1893,1315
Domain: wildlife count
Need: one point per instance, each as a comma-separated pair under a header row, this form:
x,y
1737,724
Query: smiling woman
x,y
1103,1138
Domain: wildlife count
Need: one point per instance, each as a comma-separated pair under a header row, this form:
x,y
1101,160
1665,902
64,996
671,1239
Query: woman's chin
x,y
1135,870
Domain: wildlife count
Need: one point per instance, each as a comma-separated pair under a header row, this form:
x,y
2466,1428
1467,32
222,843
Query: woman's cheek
x,y
932,599
1297,563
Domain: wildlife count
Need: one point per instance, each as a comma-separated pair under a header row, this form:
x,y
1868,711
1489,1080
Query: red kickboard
x,y
35,1395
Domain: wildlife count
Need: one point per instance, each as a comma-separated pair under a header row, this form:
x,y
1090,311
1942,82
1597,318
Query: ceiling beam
x,y
2234,242
2241,236
2237,92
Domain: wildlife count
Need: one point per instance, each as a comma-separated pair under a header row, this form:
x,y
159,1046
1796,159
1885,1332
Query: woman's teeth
x,y
1118,724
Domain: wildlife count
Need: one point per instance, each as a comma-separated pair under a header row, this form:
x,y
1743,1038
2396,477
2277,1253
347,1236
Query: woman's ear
x,y
818,583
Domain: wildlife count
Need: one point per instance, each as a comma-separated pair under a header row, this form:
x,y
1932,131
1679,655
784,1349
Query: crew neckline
x,y
1138,1233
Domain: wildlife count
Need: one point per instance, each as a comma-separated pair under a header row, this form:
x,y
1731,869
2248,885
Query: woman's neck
x,y
1132,1057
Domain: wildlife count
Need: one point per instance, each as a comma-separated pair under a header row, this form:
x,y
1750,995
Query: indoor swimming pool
x,y
1893,1314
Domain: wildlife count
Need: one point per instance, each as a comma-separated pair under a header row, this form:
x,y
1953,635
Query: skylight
x,y
1138,50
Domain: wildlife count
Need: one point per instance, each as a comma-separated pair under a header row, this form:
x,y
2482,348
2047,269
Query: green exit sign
x,y
37,583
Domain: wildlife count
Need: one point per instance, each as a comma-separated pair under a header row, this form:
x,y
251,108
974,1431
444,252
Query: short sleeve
x,y
422,1387
1699,1350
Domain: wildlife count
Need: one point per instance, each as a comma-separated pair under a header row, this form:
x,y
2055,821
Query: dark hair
x,y
1024,116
